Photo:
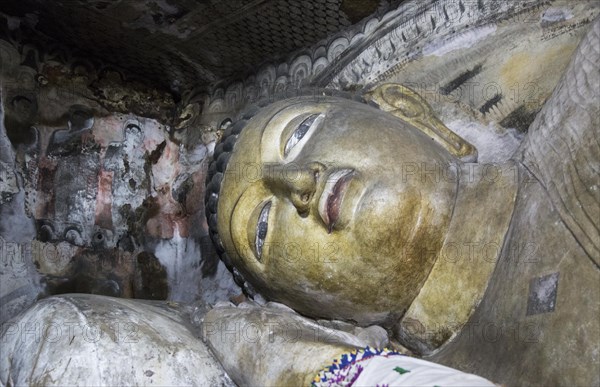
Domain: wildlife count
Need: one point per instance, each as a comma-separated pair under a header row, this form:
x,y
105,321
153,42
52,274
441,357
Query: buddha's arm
x,y
273,345
562,148
77,339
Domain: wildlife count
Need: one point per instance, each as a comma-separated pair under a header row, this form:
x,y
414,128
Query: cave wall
x,y
103,167
101,188
105,140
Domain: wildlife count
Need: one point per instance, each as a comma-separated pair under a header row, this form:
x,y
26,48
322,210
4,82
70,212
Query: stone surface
x,y
94,340
102,181
550,251
542,294
91,200
184,45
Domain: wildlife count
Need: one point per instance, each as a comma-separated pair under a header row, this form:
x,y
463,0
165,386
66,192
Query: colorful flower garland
x,y
345,369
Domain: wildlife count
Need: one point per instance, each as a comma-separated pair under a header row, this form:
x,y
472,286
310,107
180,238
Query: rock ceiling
x,y
178,43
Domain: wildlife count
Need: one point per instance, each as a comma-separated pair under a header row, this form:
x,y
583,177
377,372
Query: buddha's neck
x,y
458,280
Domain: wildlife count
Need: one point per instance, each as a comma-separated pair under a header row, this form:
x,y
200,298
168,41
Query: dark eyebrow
x,y
231,218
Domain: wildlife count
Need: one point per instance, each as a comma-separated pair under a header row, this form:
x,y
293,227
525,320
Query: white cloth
x,y
387,368
380,370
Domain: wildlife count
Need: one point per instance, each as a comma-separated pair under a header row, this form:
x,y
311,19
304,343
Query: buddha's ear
x,y
406,104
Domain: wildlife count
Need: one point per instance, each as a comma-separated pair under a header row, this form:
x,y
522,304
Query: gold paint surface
x,y
394,212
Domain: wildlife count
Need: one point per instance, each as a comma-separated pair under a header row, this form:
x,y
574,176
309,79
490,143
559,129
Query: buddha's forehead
x,y
247,156
292,105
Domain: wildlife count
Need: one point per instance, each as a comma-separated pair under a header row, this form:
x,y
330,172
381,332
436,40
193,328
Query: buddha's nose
x,y
297,182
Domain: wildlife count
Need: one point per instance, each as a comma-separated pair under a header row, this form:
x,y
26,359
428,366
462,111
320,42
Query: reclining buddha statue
x,y
368,223
341,211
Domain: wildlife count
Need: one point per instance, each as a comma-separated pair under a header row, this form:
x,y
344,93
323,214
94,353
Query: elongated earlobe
x,y
406,104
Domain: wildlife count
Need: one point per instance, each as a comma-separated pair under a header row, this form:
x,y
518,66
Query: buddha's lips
x,y
332,196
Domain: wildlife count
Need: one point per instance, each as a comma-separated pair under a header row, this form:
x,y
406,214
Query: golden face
x,y
334,208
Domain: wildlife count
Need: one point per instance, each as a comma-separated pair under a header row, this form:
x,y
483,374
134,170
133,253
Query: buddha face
x,y
334,208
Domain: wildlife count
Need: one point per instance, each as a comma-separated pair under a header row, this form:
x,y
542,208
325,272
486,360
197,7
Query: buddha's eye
x,y
299,133
261,229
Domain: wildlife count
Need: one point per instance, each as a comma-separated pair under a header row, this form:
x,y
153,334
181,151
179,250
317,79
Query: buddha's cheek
x,y
384,220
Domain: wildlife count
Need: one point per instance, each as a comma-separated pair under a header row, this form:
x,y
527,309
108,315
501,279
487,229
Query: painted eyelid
x,y
262,228
297,135
289,152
